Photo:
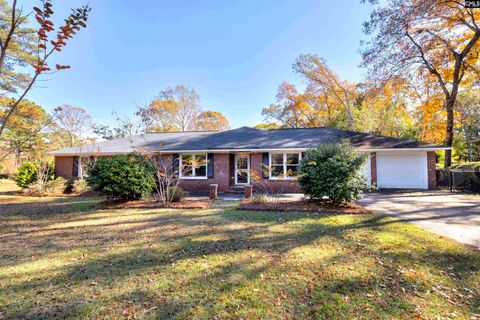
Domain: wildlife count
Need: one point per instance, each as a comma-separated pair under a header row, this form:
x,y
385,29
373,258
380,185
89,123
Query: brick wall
x,y
431,169
64,167
272,185
224,176
373,168
221,176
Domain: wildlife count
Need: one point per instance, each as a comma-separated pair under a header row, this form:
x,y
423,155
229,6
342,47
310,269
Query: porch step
x,y
236,190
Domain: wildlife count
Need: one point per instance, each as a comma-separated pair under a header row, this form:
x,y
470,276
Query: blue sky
x,y
233,53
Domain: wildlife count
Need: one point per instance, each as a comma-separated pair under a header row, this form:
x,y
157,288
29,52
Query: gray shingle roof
x,y
244,138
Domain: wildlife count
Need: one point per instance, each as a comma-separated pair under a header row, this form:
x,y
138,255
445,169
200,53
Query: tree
x,y
384,111
417,39
167,181
23,134
22,46
266,126
175,109
291,109
17,40
125,127
73,121
211,121
468,125
316,71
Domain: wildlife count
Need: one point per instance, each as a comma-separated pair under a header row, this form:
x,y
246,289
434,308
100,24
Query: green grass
x,y
60,258
8,186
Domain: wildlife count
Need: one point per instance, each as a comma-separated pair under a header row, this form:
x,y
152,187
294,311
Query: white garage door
x,y
402,170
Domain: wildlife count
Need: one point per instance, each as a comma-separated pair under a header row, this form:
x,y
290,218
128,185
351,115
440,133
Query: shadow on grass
x,y
185,237
44,208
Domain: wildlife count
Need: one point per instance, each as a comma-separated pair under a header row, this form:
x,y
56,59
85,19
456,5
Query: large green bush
x,y
27,173
126,177
334,171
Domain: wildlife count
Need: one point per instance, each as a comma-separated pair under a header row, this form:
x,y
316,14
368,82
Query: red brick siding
x,y
431,169
373,168
64,167
224,176
287,186
221,176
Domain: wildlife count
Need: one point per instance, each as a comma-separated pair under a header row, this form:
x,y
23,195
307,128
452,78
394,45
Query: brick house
x,y
230,158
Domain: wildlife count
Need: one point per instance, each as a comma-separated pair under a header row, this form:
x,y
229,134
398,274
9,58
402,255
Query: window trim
x,y
193,177
285,165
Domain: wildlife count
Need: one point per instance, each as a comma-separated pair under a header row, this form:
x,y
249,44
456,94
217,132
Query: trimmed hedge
x,y
127,177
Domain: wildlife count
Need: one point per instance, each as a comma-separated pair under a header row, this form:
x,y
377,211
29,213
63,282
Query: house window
x,y
80,166
284,165
193,166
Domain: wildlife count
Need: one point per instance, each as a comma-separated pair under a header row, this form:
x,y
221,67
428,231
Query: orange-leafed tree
x,y
291,109
413,38
174,109
31,47
315,70
212,121
384,110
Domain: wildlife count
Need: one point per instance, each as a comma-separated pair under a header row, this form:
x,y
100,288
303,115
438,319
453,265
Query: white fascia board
x,y
86,154
304,149
232,150
406,149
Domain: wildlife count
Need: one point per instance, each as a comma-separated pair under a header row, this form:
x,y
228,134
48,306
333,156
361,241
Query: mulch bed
x,y
152,204
303,206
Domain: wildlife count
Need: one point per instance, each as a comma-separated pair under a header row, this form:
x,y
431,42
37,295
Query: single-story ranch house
x,y
228,158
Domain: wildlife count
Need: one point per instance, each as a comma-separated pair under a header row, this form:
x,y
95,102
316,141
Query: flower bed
x,y
152,204
303,206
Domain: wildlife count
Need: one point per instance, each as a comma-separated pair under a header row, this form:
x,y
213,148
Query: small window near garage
x,y
193,166
284,165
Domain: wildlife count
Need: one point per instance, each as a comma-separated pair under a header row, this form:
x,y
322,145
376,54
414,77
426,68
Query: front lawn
x,y
60,258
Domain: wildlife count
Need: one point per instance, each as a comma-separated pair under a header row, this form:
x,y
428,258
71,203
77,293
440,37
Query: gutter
x,y
246,150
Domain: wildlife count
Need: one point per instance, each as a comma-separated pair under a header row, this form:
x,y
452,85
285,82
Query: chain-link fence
x,y
459,180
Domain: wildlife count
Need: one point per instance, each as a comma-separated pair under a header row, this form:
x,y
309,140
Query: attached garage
x,y
402,170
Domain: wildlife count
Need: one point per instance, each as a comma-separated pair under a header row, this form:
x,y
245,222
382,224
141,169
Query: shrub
x,y
127,177
80,186
177,194
26,174
35,189
28,171
57,186
53,187
334,171
467,166
260,198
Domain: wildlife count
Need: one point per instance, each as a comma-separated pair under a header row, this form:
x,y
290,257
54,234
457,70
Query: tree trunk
x,y
449,132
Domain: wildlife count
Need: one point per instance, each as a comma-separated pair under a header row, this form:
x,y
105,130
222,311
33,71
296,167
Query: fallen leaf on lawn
x,y
151,309
278,302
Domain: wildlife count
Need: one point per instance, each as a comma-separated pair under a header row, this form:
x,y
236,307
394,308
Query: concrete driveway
x,y
455,216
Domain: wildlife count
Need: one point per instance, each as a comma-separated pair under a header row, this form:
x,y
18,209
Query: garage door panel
x,y
402,171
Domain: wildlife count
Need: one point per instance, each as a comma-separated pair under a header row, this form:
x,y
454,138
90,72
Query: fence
x,y
459,180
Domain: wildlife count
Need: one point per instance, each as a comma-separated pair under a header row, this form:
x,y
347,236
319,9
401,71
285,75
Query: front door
x,y
242,169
